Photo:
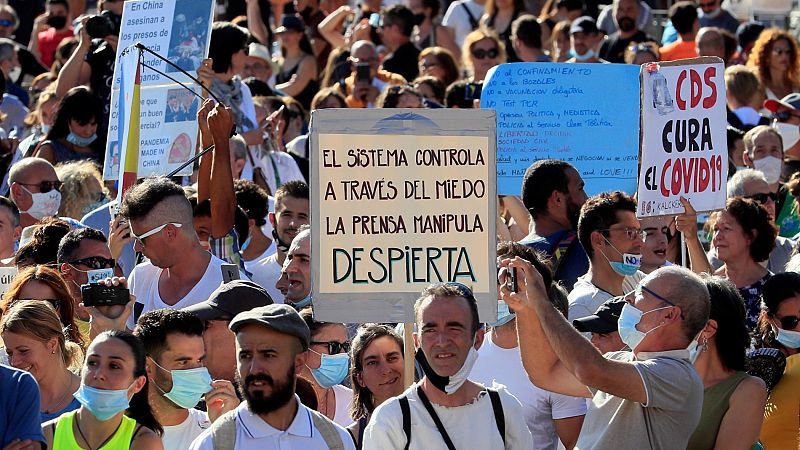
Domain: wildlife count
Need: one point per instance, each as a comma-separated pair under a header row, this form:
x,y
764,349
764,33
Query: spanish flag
x,y
130,67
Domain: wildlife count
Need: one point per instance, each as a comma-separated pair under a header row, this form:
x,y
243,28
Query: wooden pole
x,y
408,350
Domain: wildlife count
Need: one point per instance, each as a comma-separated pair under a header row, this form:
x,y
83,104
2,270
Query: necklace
x,y
86,441
55,406
325,402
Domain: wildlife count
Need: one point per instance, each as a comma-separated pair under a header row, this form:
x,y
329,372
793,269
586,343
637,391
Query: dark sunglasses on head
x,y
762,198
784,115
95,262
480,53
334,348
789,322
45,186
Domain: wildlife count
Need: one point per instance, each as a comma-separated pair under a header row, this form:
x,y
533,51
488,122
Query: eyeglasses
x,y
95,262
45,186
140,238
480,53
789,322
55,302
763,198
632,233
641,288
784,115
781,51
334,348
6,23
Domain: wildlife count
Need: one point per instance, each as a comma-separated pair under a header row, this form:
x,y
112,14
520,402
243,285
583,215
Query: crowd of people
x,y
181,316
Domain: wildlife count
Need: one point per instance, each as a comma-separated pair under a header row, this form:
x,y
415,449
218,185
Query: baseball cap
x,y
791,101
230,299
583,24
604,320
290,22
281,318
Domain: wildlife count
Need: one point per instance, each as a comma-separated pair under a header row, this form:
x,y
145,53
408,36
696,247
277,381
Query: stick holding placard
x,y
408,352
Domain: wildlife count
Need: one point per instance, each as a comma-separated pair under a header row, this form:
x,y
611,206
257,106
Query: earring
x,y
704,345
53,352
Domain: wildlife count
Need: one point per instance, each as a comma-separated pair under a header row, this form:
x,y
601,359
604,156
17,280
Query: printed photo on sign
x,y
189,36
181,106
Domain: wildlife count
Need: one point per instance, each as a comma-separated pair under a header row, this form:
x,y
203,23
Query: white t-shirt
x,y
252,433
182,435
470,426
143,283
585,297
266,272
457,19
496,365
344,395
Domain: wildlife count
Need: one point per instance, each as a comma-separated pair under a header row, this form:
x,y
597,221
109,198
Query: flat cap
x,y
281,318
230,299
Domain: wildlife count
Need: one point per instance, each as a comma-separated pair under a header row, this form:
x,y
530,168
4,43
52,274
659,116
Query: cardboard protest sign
x,y
402,199
684,140
585,114
7,275
179,30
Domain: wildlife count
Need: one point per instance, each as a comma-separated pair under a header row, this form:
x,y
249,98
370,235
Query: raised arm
x,y
223,197
255,23
686,223
331,27
75,71
204,171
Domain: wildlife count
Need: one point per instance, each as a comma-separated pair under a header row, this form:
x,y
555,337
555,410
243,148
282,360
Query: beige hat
x,y
261,51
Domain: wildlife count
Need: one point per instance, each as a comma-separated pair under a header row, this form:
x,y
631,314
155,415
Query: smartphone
x,y
375,20
362,73
511,279
102,295
230,272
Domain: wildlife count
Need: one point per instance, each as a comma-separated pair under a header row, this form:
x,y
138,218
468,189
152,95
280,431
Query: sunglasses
x,y
45,186
95,262
480,53
789,322
781,51
140,238
763,198
334,348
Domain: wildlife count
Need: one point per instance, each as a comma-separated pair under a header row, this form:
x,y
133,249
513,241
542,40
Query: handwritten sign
x,y
585,114
7,275
179,30
404,198
684,141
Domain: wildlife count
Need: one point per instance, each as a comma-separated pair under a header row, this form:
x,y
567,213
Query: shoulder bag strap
x,y
436,420
325,427
472,21
223,431
499,415
406,410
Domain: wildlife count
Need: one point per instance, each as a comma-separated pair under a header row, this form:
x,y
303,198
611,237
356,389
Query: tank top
x,y
64,153
715,405
307,94
64,438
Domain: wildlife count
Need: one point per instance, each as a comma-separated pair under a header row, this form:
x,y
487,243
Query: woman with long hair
x,y
44,284
428,32
733,401
376,373
775,59
297,77
81,188
744,236
35,342
74,133
779,328
440,63
498,17
114,412
481,51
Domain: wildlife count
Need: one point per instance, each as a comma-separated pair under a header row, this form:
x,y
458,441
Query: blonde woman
x,y
481,51
81,189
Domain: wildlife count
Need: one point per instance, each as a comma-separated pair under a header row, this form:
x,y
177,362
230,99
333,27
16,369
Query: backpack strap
x,y
406,410
499,415
223,431
328,431
473,22
436,420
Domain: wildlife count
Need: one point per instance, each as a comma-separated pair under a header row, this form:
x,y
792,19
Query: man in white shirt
x,y
179,272
270,343
177,377
462,17
298,270
446,406
550,416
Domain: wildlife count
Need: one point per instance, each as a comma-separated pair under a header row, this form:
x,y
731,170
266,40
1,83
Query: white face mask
x,y
14,73
43,204
790,134
771,167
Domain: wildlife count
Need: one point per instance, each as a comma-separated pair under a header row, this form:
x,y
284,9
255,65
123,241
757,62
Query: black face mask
x,y
282,246
438,381
626,24
57,22
419,18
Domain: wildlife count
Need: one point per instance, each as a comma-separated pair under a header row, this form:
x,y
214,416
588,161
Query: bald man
x,y
34,189
709,42
179,272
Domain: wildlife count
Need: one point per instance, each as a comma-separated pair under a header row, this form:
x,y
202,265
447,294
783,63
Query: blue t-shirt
x,y
73,405
575,262
19,406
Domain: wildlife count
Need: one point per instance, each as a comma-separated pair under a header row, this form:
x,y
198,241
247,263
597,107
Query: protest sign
x,y
7,275
179,30
684,139
585,114
403,198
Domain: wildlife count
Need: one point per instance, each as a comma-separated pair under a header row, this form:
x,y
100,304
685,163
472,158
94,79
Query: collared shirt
x,y
252,432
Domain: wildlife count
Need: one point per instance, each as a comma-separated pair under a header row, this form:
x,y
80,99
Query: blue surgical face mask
x,y
247,241
46,128
332,369
80,141
103,403
504,315
583,57
628,319
306,301
188,385
788,338
628,266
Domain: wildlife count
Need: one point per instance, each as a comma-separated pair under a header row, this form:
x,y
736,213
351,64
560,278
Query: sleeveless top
x,y
307,94
505,36
715,405
64,438
64,153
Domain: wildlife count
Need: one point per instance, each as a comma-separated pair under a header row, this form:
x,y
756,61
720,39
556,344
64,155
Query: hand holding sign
x,y
686,223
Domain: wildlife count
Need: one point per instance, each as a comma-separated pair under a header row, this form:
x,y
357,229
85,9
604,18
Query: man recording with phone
x,y
366,80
